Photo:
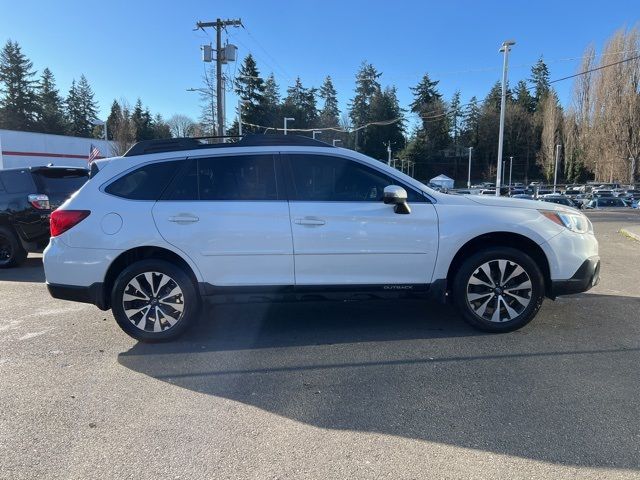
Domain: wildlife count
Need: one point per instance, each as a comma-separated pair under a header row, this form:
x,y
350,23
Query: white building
x,y
20,149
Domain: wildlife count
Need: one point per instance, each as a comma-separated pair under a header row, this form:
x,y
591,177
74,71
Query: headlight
x,y
574,221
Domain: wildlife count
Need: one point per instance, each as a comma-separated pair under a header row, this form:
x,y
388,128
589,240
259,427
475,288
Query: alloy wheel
x,y
153,301
499,290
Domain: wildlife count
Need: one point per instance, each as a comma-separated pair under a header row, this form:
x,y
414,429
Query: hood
x,y
492,201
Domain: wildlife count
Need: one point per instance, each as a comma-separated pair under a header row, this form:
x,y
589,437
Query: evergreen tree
x,y
456,115
141,122
300,103
540,81
51,118
470,123
271,102
18,102
114,120
160,128
523,97
250,88
494,97
82,109
330,114
366,85
384,106
424,94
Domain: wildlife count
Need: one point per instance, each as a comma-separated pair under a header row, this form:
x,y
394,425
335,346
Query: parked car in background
x,y
173,222
602,193
599,203
558,199
523,196
582,199
573,190
27,198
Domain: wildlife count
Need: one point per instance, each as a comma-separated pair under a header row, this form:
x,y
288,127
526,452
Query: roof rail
x,y
192,143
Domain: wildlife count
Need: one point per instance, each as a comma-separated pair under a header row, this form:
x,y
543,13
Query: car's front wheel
x,y
154,301
498,289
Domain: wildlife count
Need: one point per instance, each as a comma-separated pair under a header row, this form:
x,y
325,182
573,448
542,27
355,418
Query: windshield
x,y
60,181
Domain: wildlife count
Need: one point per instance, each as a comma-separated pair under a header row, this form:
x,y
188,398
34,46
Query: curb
x,y
629,234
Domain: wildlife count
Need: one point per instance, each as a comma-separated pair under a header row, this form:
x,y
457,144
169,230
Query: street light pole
x,y
469,174
506,47
287,119
555,170
510,169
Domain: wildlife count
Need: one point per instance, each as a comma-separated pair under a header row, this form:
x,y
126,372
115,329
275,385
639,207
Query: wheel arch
x,y
136,254
501,239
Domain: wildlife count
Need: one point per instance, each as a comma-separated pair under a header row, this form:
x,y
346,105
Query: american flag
x,y
93,153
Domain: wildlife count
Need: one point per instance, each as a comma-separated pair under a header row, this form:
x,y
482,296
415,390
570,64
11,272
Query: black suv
x,y
27,197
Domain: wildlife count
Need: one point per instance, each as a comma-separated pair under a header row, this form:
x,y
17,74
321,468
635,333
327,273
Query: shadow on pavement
x,y
30,271
557,391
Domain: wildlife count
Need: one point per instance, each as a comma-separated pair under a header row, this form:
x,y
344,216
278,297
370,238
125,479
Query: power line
x,y
334,129
595,69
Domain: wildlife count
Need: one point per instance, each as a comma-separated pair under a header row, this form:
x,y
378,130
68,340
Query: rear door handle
x,y
184,219
309,221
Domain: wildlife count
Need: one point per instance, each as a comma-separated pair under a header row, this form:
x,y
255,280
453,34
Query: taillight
x,y
63,220
41,202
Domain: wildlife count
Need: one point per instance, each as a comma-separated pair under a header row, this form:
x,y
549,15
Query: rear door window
x,y
229,178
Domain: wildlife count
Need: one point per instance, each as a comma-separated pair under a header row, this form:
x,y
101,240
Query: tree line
x,y
35,104
598,133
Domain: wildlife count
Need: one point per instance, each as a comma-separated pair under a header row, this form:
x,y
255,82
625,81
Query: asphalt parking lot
x,y
375,389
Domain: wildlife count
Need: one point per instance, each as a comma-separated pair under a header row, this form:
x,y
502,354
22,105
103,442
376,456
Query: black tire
x,y
471,284
11,252
143,330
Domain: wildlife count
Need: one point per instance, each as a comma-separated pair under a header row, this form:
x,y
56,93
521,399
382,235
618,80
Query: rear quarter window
x,y
146,182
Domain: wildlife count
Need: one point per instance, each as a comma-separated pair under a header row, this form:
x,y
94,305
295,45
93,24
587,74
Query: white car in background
x,y
157,231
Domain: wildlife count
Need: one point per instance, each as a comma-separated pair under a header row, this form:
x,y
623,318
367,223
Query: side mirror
x,y
395,195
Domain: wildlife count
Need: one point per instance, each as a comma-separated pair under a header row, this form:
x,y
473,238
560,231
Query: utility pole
x,y
219,25
510,169
469,174
506,48
555,171
388,144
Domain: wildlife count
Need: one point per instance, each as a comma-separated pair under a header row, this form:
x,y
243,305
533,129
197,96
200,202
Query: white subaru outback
x,y
155,232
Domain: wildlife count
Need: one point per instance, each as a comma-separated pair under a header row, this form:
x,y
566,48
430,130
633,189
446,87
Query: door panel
x,y
356,239
363,243
229,231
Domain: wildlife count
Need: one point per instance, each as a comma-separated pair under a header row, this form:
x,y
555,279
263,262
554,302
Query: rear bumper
x,y
587,276
93,294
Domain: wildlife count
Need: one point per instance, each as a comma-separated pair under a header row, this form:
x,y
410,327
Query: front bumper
x,y
587,276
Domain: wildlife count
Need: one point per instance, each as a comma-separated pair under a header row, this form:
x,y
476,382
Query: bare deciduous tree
x,y
181,126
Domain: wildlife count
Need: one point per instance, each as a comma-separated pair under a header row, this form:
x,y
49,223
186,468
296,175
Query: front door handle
x,y
184,219
312,221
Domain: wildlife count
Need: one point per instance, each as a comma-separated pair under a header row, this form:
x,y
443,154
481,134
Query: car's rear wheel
x,y
11,252
154,301
498,289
